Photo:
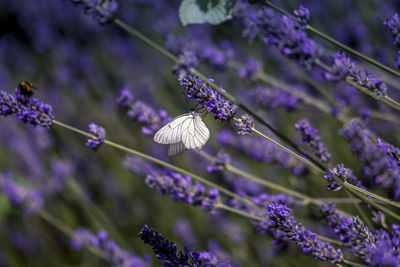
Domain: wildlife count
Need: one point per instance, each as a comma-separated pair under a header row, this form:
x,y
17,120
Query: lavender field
x,y
138,133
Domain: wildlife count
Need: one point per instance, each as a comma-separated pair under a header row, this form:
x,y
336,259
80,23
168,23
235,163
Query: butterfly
x,y
186,131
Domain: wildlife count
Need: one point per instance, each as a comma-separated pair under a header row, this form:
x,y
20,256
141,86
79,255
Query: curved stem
x,y
238,212
294,154
337,43
365,192
376,205
66,230
386,99
306,199
162,163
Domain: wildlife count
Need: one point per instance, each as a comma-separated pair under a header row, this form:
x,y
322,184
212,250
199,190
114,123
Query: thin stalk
x,y
66,230
354,264
303,75
257,218
386,99
323,171
294,154
364,216
376,205
271,185
365,192
162,163
239,212
96,213
337,43
306,199
230,97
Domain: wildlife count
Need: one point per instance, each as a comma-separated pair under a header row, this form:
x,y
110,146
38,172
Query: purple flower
x,y
99,133
397,60
394,25
303,15
280,31
344,68
352,231
26,108
125,98
244,125
220,162
343,174
250,69
101,10
310,136
385,251
30,201
213,101
379,160
168,252
180,187
177,186
279,216
151,119
186,61
83,238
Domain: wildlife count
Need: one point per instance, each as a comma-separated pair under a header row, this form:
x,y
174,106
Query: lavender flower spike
x,y
28,109
342,173
98,138
394,25
168,252
83,238
30,201
213,101
244,125
180,187
344,68
351,231
310,136
279,215
102,10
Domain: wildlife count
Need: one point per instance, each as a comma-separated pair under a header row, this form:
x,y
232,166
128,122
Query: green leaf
x,y
202,11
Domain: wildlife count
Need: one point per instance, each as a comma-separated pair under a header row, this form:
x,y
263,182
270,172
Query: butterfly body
x,y
186,131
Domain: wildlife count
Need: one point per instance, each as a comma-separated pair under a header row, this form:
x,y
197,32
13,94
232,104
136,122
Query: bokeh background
x,y
80,68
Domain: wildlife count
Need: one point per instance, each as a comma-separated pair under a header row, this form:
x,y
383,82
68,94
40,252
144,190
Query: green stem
x,y
306,199
365,192
162,163
146,40
257,218
364,216
239,212
96,213
337,43
66,230
387,100
294,154
230,97
354,264
345,184
376,205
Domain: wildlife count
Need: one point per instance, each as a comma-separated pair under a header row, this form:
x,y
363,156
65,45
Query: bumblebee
x,y
26,88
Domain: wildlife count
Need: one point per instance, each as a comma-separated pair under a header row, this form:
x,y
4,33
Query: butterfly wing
x,y
195,133
174,149
171,132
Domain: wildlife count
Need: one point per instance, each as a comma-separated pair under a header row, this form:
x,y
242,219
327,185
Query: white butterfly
x,y
186,131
